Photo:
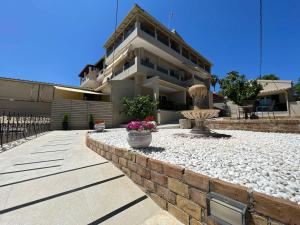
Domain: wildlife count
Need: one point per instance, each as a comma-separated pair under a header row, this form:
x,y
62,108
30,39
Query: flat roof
x,y
43,83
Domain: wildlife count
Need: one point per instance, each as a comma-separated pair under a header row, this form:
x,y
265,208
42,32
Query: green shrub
x,y
66,118
91,118
139,107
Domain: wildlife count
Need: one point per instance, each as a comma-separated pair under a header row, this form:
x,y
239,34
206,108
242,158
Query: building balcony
x,y
89,83
175,77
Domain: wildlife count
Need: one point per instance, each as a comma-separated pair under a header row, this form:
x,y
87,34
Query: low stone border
x,y
183,192
264,125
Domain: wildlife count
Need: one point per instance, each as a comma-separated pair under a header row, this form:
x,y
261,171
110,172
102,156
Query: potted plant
x,y
65,123
139,132
91,122
99,125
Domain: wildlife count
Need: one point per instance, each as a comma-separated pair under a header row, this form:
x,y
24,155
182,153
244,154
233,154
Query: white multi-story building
x,y
143,57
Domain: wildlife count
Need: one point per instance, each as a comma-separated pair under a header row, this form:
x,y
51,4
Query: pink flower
x,y
141,126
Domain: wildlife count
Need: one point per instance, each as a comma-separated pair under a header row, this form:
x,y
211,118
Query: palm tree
x,y
270,77
214,80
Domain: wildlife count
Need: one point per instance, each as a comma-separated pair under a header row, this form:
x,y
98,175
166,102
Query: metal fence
x,y
14,126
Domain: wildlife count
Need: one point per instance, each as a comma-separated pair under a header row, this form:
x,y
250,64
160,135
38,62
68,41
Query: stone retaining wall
x,y
264,125
183,192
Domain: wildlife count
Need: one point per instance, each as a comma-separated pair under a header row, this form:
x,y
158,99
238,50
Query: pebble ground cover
x,y
266,162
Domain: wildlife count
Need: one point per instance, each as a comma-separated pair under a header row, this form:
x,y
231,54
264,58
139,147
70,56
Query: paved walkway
x,y
55,179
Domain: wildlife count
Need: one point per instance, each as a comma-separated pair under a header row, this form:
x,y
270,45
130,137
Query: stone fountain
x,y
198,92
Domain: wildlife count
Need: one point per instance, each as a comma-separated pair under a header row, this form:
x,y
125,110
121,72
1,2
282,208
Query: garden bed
x,y
266,162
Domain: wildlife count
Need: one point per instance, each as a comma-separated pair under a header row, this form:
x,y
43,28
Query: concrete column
x,y
287,103
156,92
138,82
137,23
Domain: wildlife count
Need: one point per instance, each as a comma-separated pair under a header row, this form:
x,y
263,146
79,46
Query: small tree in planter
x,y
238,89
65,123
139,107
241,91
91,122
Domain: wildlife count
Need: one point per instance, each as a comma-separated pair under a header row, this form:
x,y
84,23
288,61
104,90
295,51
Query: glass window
x,y
162,37
194,59
146,62
109,50
129,29
201,64
207,68
174,73
185,53
148,28
162,69
119,40
174,45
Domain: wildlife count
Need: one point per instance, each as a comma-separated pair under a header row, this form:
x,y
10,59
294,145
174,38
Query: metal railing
x,y
15,126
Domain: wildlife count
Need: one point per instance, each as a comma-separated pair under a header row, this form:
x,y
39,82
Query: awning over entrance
x,y
77,90
263,93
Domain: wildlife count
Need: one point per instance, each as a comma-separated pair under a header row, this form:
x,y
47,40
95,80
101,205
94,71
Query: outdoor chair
x,y
265,107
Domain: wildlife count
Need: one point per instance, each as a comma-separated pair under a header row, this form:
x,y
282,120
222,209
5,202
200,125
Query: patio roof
x,y
263,93
77,90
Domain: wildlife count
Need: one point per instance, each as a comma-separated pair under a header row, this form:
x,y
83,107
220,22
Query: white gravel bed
x,y
265,162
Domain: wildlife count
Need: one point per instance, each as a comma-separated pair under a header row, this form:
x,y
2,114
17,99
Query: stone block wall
x,y
263,125
183,193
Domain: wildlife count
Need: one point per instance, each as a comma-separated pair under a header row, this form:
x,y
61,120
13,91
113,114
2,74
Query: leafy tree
x,y
297,88
139,107
238,89
270,77
214,80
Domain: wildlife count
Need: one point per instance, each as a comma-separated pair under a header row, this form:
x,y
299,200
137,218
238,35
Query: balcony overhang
x,y
144,40
163,85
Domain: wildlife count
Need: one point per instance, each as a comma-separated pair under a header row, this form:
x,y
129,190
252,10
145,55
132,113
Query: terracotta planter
x,y
139,139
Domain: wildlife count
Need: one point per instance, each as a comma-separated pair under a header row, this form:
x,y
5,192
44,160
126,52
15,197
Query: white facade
x,y
157,61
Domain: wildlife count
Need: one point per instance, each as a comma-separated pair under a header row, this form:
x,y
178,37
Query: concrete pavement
x,y
56,179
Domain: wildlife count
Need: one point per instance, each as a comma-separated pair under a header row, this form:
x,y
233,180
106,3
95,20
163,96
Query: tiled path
x,y
56,180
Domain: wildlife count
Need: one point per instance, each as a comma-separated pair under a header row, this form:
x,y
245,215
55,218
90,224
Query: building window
x,y
129,30
207,68
162,37
109,50
118,71
174,73
148,28
128,64
199,79
161,69
146,62
185,53
119,40
175,46
201,64
194,59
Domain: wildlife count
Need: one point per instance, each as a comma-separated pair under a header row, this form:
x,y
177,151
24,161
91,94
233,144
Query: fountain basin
x,y
200,114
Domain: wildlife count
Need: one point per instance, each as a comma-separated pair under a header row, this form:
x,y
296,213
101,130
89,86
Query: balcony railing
x,y
173,74
125,66
147,63
120,40
175,47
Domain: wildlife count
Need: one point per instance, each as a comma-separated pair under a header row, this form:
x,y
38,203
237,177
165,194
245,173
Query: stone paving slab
x,y
56,179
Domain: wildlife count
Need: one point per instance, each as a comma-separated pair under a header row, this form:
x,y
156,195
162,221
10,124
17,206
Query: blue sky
x,y
51,40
